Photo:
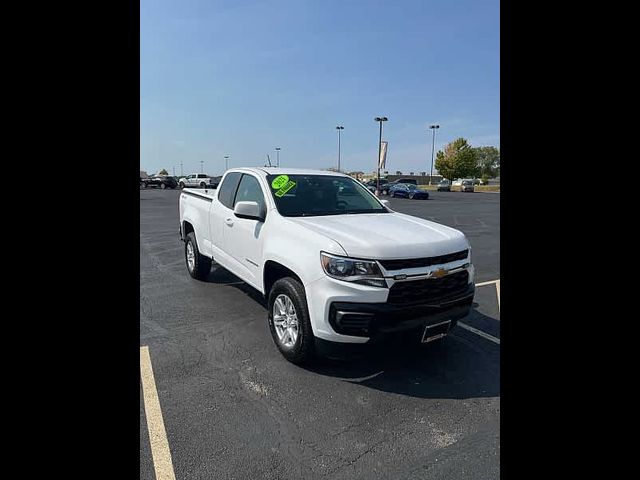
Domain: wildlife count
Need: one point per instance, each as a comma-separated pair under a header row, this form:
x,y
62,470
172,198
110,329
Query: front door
x,y
243,237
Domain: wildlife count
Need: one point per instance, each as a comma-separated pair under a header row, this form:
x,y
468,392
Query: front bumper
x,y
326,297
377,319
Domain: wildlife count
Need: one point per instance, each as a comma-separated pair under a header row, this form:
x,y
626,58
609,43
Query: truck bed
x,y
205,193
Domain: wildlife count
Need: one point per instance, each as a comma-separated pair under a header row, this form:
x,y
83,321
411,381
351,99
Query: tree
x,y
458,160
488,161
163,172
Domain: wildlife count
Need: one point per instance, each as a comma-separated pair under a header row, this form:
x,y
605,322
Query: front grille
x,y
424,262
428,290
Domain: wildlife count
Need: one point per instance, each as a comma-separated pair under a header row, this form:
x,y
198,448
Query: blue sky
x,y
241,77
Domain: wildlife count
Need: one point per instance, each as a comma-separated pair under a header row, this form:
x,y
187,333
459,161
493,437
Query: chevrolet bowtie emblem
x,y
441,272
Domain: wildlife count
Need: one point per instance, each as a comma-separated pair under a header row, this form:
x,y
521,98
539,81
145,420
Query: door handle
x,y
229,221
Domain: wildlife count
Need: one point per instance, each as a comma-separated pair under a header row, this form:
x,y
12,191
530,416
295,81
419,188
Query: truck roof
x,y
285,171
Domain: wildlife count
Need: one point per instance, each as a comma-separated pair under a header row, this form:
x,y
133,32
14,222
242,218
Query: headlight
x,y
364,272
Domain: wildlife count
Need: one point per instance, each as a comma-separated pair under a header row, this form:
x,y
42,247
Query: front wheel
x,y
392,195
411,195
198,265
163,186
202,185
289,321
181,184
144,184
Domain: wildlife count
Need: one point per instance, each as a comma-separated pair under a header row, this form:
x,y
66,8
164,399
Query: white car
x,y
336,265
196,180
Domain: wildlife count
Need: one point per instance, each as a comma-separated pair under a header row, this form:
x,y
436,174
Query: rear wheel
x,y
198,265
411,195
181,184
163,186
202,184
289,321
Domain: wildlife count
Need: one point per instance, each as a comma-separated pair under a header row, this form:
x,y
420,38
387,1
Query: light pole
x,y
433,145
174,170
201,166
181,174
278,156
379,120
339,128
226,162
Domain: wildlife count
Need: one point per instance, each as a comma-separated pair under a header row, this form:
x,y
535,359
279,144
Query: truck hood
x,y
386,235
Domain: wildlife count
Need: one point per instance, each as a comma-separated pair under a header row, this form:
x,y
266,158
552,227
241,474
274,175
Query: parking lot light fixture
x,y
433,144
379,120
339,128
278,156
226,162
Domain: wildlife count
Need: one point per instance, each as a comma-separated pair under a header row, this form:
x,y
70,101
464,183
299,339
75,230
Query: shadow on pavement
x,y
221,276
453,367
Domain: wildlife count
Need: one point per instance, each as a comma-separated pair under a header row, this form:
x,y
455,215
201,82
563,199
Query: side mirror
x,y
249,210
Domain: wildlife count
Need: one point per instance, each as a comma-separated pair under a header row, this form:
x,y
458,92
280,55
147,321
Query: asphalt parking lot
x,y
233,408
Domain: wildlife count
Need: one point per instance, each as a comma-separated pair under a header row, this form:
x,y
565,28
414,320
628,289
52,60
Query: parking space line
x,y
482,284
157,434
479,332
498,292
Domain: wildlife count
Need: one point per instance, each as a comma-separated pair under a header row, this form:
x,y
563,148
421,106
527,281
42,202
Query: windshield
x,y
315,195
467,182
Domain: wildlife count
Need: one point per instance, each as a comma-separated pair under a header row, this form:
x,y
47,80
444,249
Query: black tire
x,y
411,195
303,350
202,264
181,184
173,187
392,195
144,184
163,186
202,184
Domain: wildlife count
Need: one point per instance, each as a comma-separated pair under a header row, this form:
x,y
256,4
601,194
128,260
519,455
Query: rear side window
x,y
227,189
202,175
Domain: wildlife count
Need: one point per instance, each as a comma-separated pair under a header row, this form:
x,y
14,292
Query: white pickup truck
x,y
334,262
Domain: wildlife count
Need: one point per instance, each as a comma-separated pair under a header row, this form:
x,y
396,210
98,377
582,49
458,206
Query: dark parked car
x,y
408,190
407,181
159,181
444,186
372,184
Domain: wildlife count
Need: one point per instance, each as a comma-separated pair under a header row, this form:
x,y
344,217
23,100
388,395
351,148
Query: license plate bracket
x,y
436,331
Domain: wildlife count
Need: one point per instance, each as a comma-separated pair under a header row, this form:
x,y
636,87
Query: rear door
x,y
221,209
242,236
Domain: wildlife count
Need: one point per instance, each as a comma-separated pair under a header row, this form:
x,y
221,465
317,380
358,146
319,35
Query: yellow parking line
x,y
157,434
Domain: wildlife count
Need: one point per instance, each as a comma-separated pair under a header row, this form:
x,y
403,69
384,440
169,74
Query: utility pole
x,y
433,145
339,128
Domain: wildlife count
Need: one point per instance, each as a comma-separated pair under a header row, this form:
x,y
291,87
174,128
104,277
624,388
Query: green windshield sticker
x,y
290,184
279,182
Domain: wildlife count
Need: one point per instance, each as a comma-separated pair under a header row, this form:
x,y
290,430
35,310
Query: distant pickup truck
x,y
201,180
336,265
